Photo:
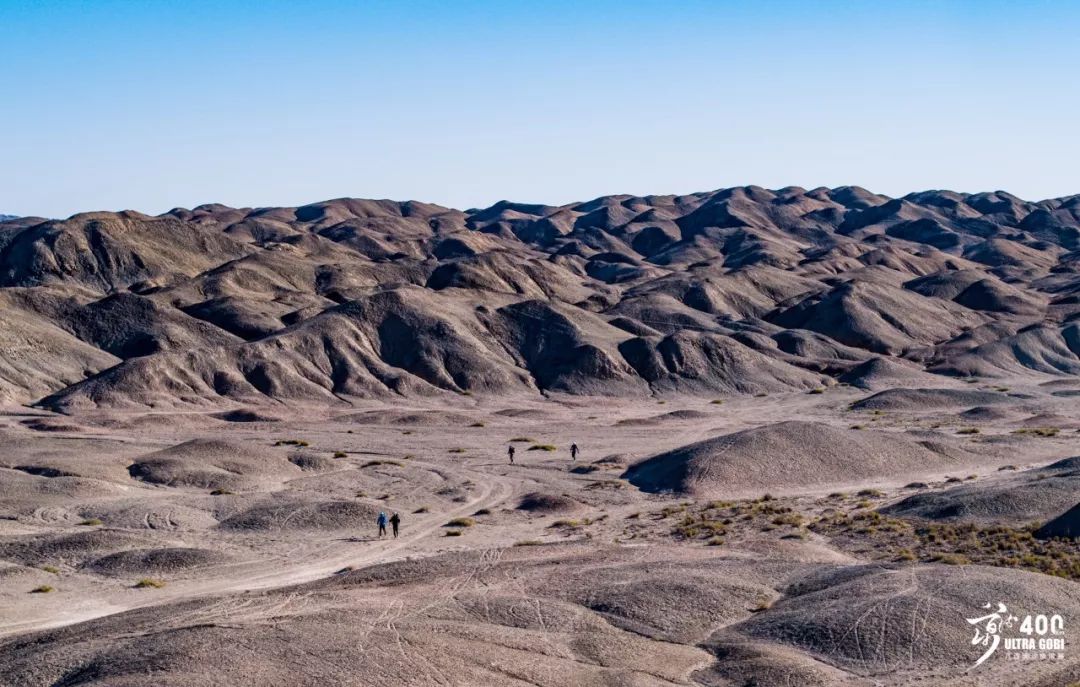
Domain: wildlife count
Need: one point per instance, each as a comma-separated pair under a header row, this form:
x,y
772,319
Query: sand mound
x,y
883,373
154,561
305,515
920,399
985,414
548,504
1066,525
784,455
819,618
66,548
1033,495
312,462
246,415
213,464
523,413
49,424
422,418
674,415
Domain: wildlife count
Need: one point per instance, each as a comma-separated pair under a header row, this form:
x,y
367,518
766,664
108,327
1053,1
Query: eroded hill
x,y
742,290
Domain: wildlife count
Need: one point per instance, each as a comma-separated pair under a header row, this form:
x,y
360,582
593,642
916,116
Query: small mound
x,y
1065,526
326,515
523,413
985,414
786,454
547,504
311,462
1032,495
427,418
674,415
615,459
139,561
67,548
819,618
1041,420
213,464
245,415
51,425
923,399
884,373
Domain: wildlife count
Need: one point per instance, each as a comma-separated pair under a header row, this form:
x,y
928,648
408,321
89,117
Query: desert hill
x,y
742,290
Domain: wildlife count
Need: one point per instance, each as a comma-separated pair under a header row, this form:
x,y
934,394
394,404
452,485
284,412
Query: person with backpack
x,y
382,524
510,452
573,451
395,520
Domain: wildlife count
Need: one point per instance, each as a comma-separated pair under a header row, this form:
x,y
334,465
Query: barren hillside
x,y
742,290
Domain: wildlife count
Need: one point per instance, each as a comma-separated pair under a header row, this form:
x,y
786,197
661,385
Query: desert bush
x,y
91,522
43,589
542,447
149,583
460,522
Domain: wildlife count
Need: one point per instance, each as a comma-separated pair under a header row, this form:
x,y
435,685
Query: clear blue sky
x,y
150,105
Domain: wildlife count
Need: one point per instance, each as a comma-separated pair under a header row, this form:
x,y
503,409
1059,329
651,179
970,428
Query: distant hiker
x,y
395,520
573,451
510,452
382,524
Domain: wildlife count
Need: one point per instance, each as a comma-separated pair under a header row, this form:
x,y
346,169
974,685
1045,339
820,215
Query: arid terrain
x,y
818,430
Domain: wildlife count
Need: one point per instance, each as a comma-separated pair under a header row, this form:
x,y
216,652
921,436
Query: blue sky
x,y
150,105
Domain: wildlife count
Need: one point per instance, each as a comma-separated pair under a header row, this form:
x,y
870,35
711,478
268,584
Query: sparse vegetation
x,y
43,589
1038,431
542,447
51,569
91,522
764,603
529,542
477,424
452,533
483,511
421,509
149,583
456,450
374,463
968,430
869,533
340,454
291,442
460,522
221,492
716,402
522,440
818,390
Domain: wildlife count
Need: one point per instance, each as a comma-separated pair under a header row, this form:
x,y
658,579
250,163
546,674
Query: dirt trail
x,y
280,571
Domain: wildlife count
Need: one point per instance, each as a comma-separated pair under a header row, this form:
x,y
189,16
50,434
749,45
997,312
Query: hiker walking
x,y
510,452
395,520
382,524
573,451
